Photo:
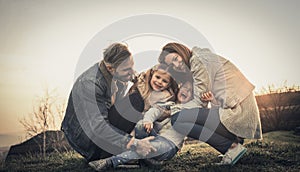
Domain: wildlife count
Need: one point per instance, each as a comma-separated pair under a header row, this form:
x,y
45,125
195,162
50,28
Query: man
x,y
86,124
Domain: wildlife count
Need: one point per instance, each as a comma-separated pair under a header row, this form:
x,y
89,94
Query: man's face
x,y
124,72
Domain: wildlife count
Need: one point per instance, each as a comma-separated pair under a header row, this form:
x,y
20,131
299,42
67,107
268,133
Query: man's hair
x,y
115,54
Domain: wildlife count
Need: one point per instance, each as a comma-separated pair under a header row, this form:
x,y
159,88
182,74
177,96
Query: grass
x,y
279,151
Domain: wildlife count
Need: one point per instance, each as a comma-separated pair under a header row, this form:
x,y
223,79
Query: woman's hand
x,y
148,126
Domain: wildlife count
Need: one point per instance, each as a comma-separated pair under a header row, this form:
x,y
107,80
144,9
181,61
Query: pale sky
x,y
41,42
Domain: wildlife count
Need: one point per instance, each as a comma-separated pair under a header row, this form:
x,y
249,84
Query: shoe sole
x,y
92,165
239,156
95,167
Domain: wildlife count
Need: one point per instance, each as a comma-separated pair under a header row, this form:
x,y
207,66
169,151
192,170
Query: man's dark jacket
x,y
86,123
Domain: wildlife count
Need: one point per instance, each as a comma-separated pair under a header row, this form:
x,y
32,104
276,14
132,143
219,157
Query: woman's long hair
x,y
180,49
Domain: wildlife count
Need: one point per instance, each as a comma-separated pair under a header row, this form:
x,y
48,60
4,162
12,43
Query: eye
x,y
165,81
175,58
157,76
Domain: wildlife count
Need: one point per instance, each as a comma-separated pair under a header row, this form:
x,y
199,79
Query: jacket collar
x,y
108,77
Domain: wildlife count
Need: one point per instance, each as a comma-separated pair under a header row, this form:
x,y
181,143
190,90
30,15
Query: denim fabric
x,y
165,150
140,131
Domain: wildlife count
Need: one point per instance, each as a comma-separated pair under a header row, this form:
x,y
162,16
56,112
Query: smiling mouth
x,y
157,87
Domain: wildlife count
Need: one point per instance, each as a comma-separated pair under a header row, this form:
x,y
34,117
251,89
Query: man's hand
x,y
148,126
144,147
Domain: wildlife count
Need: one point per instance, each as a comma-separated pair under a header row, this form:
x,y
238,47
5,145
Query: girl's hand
x,y
148,126
207,97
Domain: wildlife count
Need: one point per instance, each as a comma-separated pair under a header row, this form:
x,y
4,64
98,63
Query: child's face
x,y
185,92
160,80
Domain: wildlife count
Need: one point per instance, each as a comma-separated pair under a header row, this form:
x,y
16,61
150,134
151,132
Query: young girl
x,y
155,117
159,89
154,85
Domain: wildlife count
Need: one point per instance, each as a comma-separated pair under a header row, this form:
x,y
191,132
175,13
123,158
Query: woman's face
x,y
160,80
185,92
177,61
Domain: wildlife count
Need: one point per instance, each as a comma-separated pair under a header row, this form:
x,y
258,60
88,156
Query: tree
x,y
44,117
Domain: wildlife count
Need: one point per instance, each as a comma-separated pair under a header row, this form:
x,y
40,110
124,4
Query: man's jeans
x,y
140,131
165,150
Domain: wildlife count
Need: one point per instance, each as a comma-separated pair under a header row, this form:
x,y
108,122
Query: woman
x,y
234,114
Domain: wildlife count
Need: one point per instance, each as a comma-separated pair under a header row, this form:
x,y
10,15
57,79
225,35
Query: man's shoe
x,y
101,165
152,162
233,155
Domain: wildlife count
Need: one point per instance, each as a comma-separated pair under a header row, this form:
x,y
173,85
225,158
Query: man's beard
x,y
123,78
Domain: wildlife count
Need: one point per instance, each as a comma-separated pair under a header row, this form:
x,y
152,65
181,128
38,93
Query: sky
x,y
42,42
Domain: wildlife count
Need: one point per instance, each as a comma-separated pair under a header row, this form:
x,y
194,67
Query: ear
x,y
110,69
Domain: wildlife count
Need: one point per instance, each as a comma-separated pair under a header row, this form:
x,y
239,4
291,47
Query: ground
x,y
278,151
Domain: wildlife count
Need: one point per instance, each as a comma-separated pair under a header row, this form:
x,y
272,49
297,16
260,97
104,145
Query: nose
x,y
176,64
180,64
159,81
